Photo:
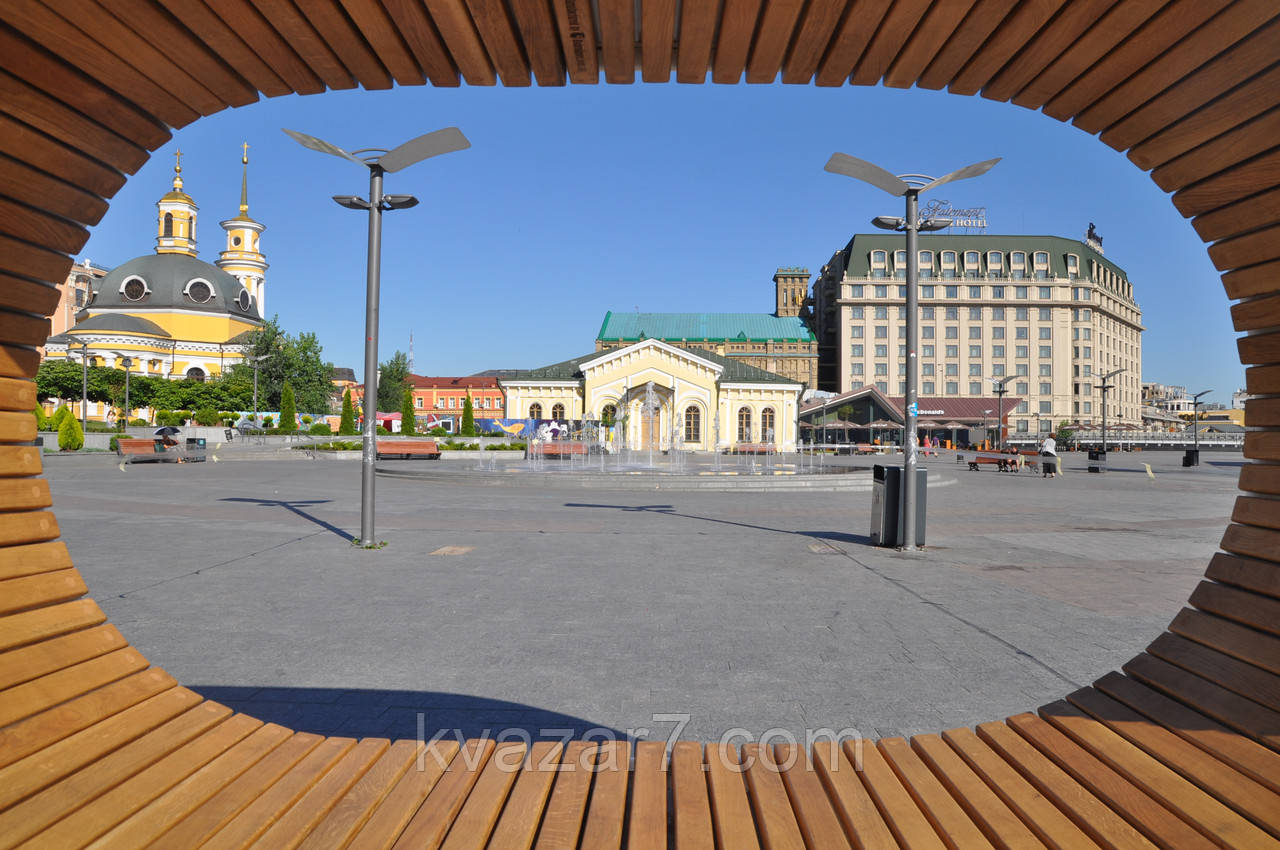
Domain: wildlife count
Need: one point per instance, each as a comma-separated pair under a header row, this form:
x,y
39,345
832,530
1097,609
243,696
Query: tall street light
x,y
1000,387
1105,387
986,429
84,386
379,162
256,360
127,362
1195,422
909,186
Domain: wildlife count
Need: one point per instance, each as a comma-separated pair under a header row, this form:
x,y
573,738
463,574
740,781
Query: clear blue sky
x,y
579,200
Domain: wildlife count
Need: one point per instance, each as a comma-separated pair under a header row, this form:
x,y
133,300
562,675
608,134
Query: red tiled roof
x,y
423,382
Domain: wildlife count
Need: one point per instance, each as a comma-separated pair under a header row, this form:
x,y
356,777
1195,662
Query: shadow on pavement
x,y
295,506
402,714
669,510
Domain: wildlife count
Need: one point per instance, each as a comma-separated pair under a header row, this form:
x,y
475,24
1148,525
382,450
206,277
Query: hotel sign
x,y
960,217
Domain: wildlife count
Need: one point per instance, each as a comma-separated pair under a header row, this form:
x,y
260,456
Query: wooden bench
x,y
1181,750
407,449
137,450
754,449
558,449
1004,461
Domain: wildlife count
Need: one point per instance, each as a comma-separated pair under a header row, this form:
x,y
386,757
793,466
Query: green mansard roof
x,y
1057,247
702,327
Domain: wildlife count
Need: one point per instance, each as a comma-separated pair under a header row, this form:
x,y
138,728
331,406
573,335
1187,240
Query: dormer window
x,y
900,265
948,264
244,300
199,291
134,288
926,264
995,263
879,263
1018,264
1073,266
1041,260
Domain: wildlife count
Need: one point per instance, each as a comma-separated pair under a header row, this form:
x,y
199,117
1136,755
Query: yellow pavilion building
x,y
171,314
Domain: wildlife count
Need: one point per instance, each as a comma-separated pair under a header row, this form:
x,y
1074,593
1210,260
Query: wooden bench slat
x,y
293,826
30,627
518,825
39,590
1259,612
909,825
1085,809
730,807
1251,541
862,823
1249,573
980,804
929,794
1214,820
471,828
1228,708
1133,803
606,815
815,814
33,559
110,809
647,827
562,822
775,819
40,659
43,808
1049,823
1223,670
24,494
1256,511
427,828
256,818
1242,753
20,460
27,527
232,798
1257,802
54,688
1229,638
150,822
354,808
390,817
53,724
690,804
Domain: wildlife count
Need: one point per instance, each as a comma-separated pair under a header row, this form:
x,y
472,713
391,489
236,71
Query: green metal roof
x,y
860,247
735,371
703,327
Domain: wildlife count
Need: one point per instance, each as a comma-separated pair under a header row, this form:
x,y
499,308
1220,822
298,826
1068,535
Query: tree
x,y
468,428
70,437
288,410
42,421
393,380
1065,434
59,416
408,424
347,426
297,360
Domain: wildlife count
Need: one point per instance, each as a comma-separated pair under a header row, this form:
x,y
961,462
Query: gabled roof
x,y
733,371
474,382
703,327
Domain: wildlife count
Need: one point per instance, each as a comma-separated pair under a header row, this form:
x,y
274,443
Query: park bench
x,y
1180,750
754,449
1004,461
408,449
560,449
142,450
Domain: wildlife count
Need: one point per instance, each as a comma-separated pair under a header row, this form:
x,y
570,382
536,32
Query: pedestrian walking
x,y
1049,453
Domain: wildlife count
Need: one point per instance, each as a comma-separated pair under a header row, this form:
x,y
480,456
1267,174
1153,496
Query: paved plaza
x,y
545,605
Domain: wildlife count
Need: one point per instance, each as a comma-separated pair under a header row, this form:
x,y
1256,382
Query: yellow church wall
x,y
547,394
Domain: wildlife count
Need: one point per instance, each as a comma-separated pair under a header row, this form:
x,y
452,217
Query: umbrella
x,y
167,431
927,423
954,424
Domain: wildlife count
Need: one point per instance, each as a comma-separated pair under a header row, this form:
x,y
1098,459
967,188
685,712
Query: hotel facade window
x,y
1074,289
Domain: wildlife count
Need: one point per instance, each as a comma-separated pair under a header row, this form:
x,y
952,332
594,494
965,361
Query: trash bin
x,y
886,505
195,449
1191,458
1097,461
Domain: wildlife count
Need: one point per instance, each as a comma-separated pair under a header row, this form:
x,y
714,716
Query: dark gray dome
x,y
121,322
177,281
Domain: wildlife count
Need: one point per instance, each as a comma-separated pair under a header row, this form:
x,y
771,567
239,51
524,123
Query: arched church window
x,y
168,224
134,289
195,373
557,411
744,424
692,424
535,411
244,300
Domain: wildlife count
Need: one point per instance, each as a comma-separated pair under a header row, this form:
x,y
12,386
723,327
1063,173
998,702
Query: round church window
x,y
244,299
199,292
235,240
135,289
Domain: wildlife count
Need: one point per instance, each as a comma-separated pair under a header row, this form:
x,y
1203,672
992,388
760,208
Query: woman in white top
x,y
1048,451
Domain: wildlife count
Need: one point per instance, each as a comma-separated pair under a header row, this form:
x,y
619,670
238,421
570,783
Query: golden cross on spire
x,y
245,158
177,170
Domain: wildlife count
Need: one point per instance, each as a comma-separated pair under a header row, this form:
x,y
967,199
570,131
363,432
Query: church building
x,y
170,314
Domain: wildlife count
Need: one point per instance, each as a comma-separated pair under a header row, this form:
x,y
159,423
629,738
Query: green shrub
x,y
505,447
307,419
95,427
59,416
42,421
333,446
207,416
347,425
382,432
455,446
320,429
468,428
114,445
181,417
139,423
70,437
408,422
288,410
438,432
229,417
268,422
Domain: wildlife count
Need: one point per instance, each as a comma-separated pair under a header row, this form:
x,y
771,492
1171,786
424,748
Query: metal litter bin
x,y
886,505
195,449
1191,458
1097,461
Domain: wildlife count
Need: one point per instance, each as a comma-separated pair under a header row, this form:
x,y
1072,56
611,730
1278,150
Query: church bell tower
x,y
243,258
176,223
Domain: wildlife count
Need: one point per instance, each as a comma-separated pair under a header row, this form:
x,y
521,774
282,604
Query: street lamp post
x,y
127,362
84,386
1195,423
1001,387
256,360
379,162
910,187
1105,387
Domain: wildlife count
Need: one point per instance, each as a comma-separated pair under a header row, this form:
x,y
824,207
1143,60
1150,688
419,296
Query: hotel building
x,y
1051,313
